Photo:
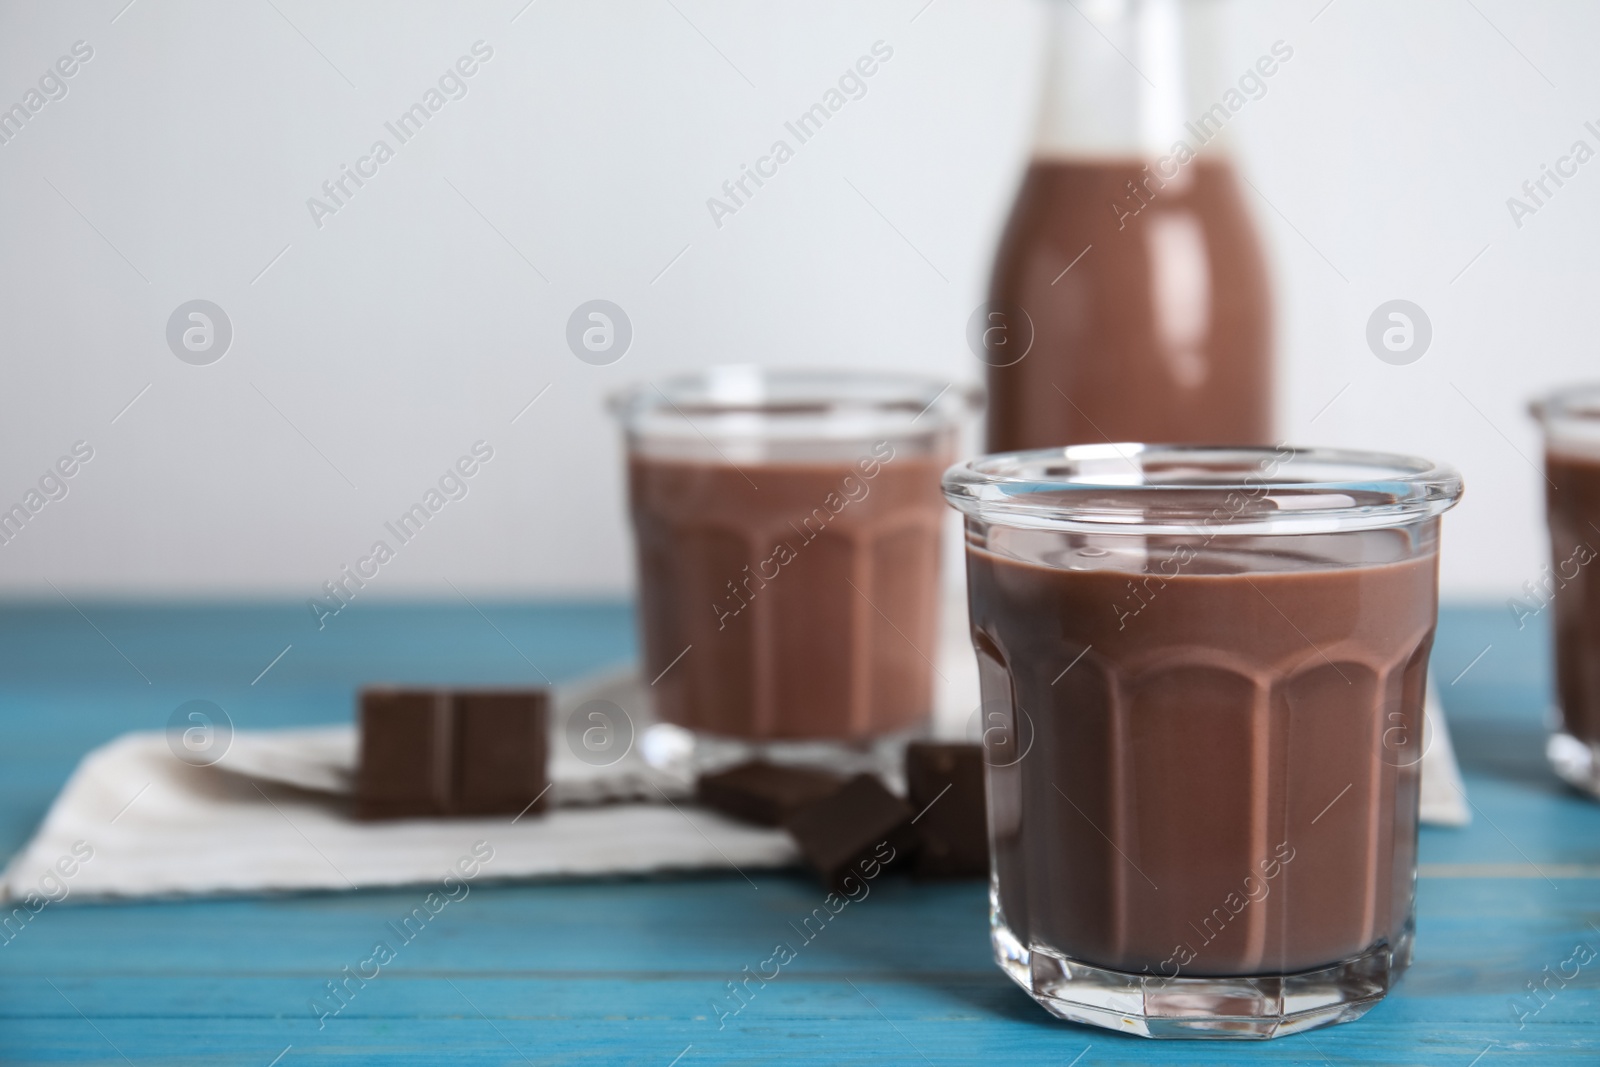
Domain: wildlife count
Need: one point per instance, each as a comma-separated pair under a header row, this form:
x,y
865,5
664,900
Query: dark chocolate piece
x,y
854,833
765,793
944,783
501,748
401,774
435,752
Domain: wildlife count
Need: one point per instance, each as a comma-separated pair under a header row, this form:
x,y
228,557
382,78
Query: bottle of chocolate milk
x,y
1130,300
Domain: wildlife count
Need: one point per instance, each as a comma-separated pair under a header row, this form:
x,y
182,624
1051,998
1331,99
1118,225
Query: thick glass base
x,y
1575,762
1248,1008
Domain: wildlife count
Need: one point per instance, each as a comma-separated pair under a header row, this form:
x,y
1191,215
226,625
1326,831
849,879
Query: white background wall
x,y
379,347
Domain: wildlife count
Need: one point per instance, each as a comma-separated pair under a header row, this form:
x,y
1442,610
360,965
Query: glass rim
x,y
1577,402
1135,488
743,389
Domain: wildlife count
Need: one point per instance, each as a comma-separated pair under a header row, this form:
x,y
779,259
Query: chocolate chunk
x,y
944,783
401,774
500,752
435,752
765,793
855,832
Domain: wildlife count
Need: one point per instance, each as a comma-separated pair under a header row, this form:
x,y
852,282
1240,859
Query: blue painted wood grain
x,y
628,971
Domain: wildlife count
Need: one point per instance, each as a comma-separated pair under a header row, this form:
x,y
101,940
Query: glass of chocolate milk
x,y
787,525
1202,673
1571,421
1130,297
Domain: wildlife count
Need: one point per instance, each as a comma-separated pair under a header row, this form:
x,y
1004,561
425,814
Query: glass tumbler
x,y
1202,674
1571,422
787,525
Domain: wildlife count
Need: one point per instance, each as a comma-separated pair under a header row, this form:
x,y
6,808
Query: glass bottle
x,y
1130,298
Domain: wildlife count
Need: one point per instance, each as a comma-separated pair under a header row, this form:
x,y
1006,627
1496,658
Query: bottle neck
x,y
1118,76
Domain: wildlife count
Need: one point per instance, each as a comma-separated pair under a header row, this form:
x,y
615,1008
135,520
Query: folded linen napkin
x,y
135,821
271,815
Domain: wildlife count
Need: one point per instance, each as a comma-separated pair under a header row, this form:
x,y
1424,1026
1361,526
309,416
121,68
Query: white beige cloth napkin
x,y
135,821
269,816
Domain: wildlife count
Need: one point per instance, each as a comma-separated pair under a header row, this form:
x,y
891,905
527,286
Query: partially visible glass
x,y
1203,674
1571,422
787,525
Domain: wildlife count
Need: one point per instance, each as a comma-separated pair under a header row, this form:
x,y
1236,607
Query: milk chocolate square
x,y
404,734
944,783
501,748
438,753
854,833
765,793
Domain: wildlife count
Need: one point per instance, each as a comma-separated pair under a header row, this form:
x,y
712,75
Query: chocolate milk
x,y
806,593
1161,332
1217,786
1573,504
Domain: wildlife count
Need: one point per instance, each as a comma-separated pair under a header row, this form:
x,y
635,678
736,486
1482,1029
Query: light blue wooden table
x,y
624,972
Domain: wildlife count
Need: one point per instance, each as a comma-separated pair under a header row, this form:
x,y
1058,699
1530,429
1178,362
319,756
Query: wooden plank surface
x,y
631,971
